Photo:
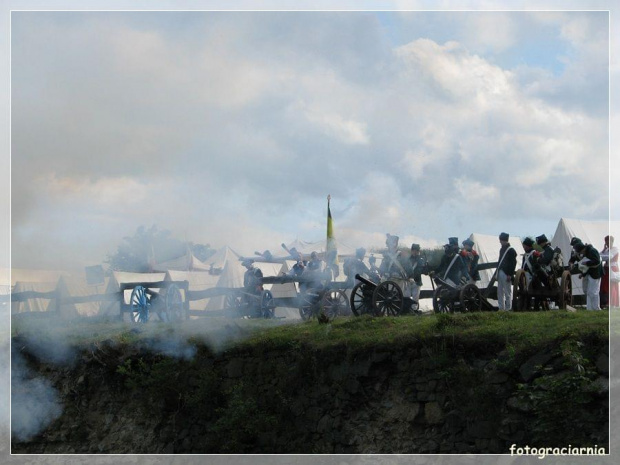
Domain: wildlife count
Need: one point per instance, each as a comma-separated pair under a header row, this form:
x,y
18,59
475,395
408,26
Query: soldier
x,y
528,263
313,271
452,268
353,266
470,257
591,269
252,278
392,266
507,264
415,267
573,262
544,270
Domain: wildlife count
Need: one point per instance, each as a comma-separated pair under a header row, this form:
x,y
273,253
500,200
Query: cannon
x,y
168,304
541,291
383,298
450,298
243,304
331,302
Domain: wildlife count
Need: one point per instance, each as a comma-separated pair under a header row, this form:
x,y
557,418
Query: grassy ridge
x,y
497,329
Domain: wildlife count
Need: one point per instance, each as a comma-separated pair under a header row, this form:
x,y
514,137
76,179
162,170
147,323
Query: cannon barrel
x,y
367,282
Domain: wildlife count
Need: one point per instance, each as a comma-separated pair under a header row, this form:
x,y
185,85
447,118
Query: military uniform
x,y
393,266
507,264
414,268
591,268
452,268
252,280
528,264
470,257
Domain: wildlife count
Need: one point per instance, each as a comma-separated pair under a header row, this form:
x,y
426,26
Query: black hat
x,y
390,239
504,236
579,246
468,242
453,241
574,241
528,241
541,239
360,252
415,246
247,262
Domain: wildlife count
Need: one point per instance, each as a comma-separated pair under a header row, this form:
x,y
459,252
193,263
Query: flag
x,y
331,250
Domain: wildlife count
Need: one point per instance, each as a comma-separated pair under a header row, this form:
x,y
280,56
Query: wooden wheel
x,y
441,300
175,310
387,299
305,306
566,290
360,300
267,305
234,304
520,297
335,303
140,302
471,300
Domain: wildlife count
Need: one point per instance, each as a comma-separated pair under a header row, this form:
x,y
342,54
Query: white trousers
x,y
504,291
593,299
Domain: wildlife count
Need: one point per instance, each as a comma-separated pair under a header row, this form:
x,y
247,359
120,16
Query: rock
x,y
482,430
519,404
433,413
497,378
601,385
235,368
602,364
529,369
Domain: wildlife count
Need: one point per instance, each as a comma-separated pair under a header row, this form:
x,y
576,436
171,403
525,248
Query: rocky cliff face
x,y
410,398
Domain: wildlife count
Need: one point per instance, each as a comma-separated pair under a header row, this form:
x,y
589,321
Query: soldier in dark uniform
x,y
543,268
353,266
507,264
591,269
313,272
528,262
415,267
470,257
252,278
452,268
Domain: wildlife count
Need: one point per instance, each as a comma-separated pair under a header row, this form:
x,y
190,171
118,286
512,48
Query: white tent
x,y
197,281
79,287
488,247
187,262
231,277
114,286
24,280
590,232
221,258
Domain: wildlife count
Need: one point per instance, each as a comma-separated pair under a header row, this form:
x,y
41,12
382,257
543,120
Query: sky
x,y
231,128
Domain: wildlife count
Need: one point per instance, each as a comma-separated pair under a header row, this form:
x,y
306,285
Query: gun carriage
x,y
542,290
379,298
161,299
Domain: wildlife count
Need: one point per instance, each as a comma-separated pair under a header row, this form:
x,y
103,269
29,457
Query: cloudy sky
x,y
231,128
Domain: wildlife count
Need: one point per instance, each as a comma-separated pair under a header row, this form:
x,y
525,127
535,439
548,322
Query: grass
x,y
516,330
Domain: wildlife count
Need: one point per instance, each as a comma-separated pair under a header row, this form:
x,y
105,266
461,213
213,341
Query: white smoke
x,y
34,401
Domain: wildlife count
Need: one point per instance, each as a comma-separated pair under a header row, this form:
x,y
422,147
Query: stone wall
x,y
408,399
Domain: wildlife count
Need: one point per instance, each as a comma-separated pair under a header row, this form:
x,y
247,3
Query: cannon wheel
x,y
305,307
387,299
566,290
140,302
267,304
441,304
174,305
470,297
358,300
521,299
233,303
335,303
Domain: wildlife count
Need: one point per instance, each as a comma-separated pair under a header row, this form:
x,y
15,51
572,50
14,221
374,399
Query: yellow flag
x,y
331,250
